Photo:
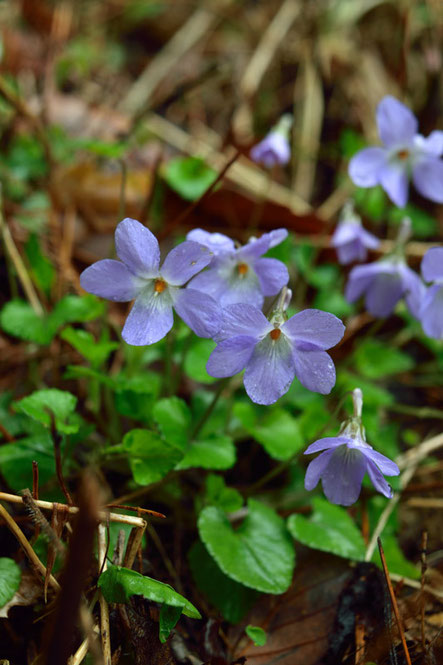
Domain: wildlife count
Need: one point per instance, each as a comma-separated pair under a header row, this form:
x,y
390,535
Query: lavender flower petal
x,y
243,319
365,166
198,310
274,149
314,326
270,371
272,275
343,476
431,312
433,144
256,247
185,261
316,468
111,280
315,370
215,242
396,123
383,294
327,443
414,290
210,282
386,466
150,318
432,264
394,180
138,248
427,176
344,232
378,481
368,239
351,251
231,356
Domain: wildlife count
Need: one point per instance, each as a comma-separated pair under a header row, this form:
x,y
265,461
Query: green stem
x,y
181,368
264,480
419,412
168,352
211,406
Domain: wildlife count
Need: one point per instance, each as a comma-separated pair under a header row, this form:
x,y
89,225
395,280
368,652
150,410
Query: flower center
x,y
242,269
275,334
159,285
403,154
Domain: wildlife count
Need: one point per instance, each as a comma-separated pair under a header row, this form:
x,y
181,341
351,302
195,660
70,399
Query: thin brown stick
x,y
6,434
34,479
23,109
134,543
136,509
424,565
178,220
105,630
57,439
103,516
33,558
17,260
394,603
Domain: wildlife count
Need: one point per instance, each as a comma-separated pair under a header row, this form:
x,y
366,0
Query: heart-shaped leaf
x,y
259,554
329,529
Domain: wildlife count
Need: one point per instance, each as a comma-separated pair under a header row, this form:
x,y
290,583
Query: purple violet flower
x,y
274,352
241,275
350,239
406,154
217,243
385,282
274,148
431,309
346,459
156,290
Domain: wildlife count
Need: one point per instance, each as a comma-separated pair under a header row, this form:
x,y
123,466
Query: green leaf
x,y
196,359
333,301
329,529
324,276
17,318
374,395
150,457
372,202
216,451
351,142
375,360
16,460
259,554
136,395
76,309
189,176
257,635
80,372
42,270
231,598
217,494
95,352
174,419
168,620
395,559
423,225
60,402
10,578
279,433
119,584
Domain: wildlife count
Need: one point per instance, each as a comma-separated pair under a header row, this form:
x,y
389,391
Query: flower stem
x,y
211,406
357,399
